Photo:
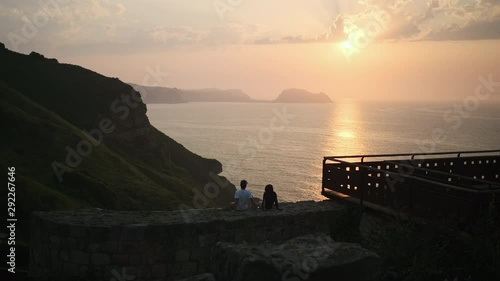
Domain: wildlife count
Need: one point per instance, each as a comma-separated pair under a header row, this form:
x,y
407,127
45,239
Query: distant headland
x,y
174,95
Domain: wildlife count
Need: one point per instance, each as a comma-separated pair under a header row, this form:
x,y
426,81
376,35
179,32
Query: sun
x,y
347,45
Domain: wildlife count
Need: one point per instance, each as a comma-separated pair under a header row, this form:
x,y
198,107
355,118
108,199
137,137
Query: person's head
x,y
243,184
269,188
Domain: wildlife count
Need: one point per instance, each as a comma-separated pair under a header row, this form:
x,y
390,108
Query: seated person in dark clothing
x,y
270,198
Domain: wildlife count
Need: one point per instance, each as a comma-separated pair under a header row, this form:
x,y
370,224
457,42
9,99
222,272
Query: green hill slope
x,y
45,109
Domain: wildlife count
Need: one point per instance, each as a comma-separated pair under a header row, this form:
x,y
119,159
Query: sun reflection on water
x,y
345,136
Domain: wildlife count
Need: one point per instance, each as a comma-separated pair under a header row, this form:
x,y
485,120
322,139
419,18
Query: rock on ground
x,y
311,257
200,277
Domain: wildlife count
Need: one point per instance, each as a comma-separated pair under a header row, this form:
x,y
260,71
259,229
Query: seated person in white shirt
x,y
243,197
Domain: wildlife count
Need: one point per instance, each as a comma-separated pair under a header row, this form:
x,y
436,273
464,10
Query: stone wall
x,y
113,246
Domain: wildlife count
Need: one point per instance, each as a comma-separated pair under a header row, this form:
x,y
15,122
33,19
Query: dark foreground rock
x,y
308,258
152,245
200,277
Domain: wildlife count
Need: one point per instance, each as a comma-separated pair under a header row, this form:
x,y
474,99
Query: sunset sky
x,y
367,49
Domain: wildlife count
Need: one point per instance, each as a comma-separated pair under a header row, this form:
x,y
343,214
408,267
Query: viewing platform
x,y
430,185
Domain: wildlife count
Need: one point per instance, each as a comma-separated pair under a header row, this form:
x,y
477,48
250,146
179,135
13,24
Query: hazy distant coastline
x,y
151,95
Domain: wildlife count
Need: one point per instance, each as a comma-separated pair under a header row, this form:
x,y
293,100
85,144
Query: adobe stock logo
x,y
223,6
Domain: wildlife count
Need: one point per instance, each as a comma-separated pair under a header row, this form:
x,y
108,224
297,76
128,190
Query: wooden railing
x,y
428,184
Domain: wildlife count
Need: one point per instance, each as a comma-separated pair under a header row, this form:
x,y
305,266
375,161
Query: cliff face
x,y
302,96
83,139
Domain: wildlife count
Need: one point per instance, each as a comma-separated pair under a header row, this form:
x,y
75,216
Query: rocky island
x,y
302,96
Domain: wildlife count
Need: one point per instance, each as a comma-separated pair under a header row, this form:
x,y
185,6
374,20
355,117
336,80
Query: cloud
x,y
435,20
473,30
264,41
82,12
409,20
231,33
469,21
11,12
334,33
45,25
221,34
105,25
130,39
175,35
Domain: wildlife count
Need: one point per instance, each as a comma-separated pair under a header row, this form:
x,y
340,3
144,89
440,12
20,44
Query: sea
x,y
284,144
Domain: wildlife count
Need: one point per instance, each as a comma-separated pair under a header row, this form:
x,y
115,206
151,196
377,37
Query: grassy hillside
x,y
45,106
